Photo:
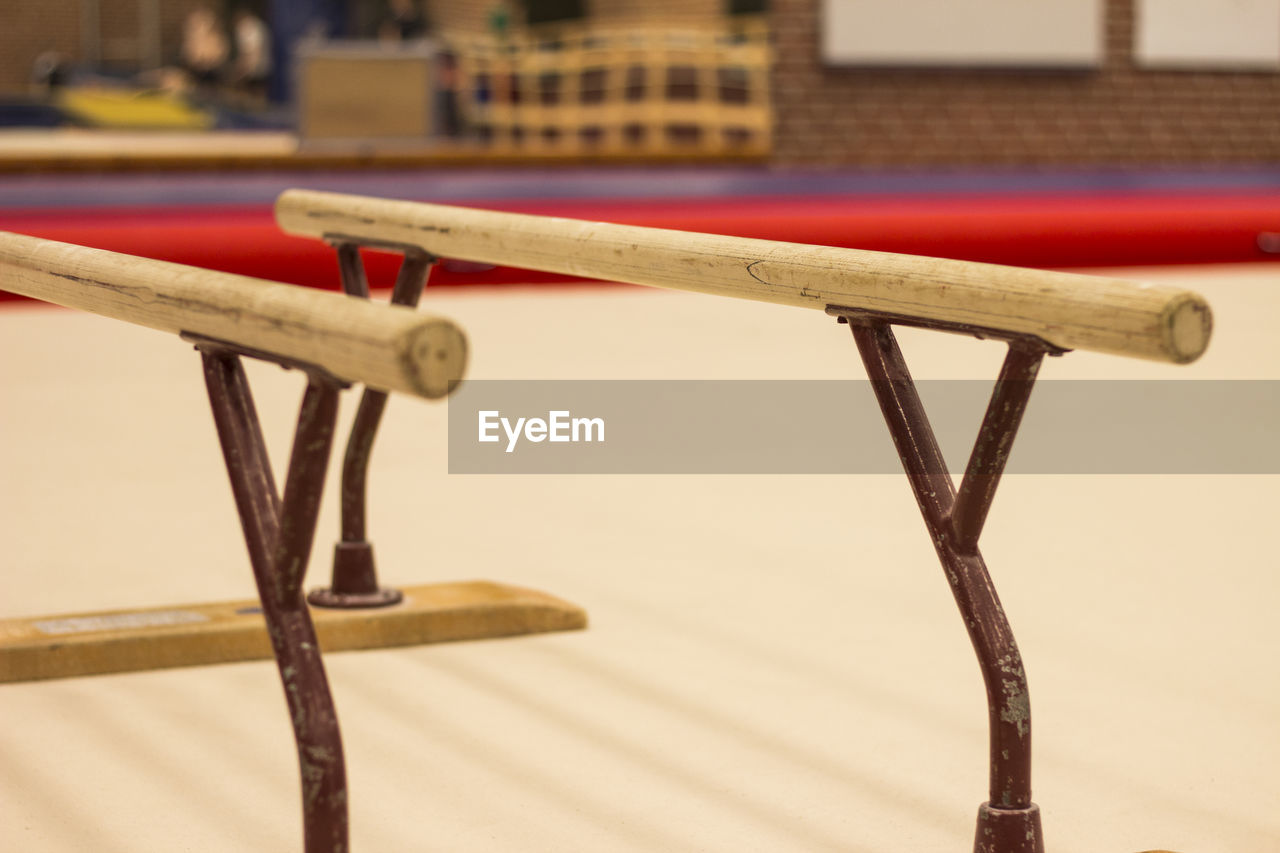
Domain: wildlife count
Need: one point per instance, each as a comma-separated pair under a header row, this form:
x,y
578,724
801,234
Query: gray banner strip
x,y
834,427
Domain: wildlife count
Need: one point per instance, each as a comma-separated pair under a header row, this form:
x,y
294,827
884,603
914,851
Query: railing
x,y
387,347
338,339
1066,310
334,340
639,90
1036,313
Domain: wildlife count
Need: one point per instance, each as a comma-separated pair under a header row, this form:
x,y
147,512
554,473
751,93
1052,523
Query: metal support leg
x,y
355,576
995,439
279,533
1009,822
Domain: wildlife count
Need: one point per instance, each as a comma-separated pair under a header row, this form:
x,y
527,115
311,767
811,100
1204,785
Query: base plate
x,y
64,646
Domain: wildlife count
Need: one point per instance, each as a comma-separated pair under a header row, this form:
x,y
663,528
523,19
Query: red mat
x,y
1036,231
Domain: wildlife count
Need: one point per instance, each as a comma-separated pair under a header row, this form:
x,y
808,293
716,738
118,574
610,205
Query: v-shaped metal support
x,y
355,576
279,531
1009,822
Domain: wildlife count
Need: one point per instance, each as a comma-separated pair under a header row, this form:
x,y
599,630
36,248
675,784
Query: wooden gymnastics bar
x,y
1036,313
334,340
386,347
1066,310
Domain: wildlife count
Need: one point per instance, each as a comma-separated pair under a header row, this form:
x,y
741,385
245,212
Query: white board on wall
x,y
1193,34
1036,33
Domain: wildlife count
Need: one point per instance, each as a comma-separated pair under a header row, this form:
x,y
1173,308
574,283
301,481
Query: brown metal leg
x,y
1009,822
355,576
279,534
995,440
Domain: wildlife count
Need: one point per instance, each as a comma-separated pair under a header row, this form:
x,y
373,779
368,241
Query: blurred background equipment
x,y
872,83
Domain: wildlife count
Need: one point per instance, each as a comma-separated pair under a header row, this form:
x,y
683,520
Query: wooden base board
x,y
64,646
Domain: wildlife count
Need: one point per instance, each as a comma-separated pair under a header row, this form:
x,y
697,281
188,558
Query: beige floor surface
x,y
774,663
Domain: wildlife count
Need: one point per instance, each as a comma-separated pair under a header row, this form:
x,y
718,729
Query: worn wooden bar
x,y
1067,310
386,347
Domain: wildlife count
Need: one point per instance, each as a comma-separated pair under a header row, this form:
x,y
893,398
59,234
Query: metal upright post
x,y
355,576
279,531
1008,822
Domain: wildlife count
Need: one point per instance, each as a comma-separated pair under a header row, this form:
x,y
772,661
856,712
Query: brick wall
x,y
29,29
1117,114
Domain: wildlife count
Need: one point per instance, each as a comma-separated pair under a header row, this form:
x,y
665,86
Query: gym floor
x,y
773,663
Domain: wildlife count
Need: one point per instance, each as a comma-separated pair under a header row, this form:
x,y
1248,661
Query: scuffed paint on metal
x,y
279,533
954,520
1017,702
